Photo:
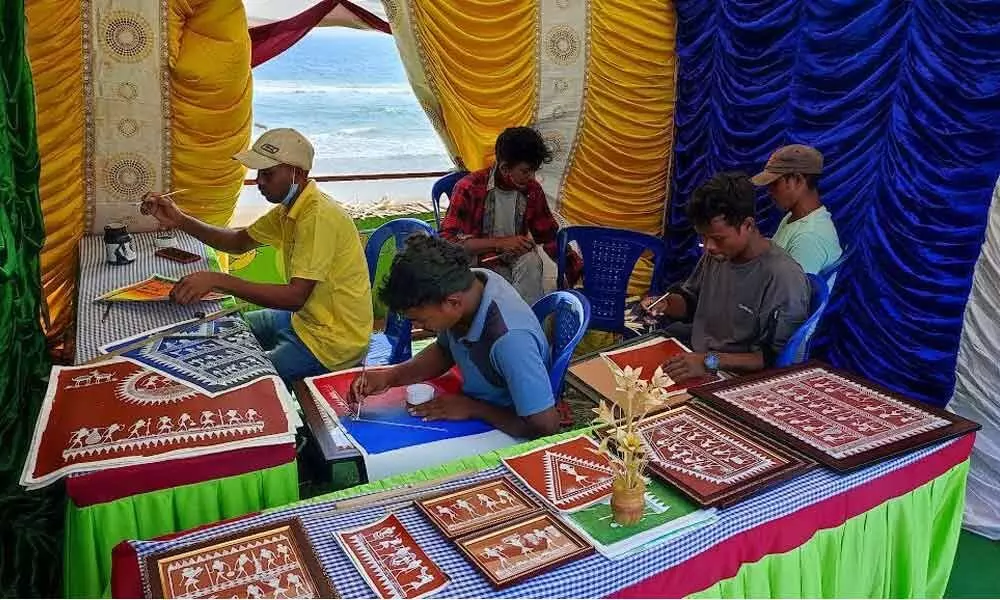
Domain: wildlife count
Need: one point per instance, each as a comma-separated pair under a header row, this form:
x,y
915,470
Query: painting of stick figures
x,y
512,553
390,560
482,505
274,561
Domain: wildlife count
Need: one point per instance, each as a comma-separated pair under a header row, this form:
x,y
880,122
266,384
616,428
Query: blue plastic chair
x,y
797,348
570,312
829,273
609,256
393,346
444,186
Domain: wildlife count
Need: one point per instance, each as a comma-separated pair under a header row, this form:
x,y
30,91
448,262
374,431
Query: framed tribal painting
x,y
515,552
840,420
477,507
272,561
712,459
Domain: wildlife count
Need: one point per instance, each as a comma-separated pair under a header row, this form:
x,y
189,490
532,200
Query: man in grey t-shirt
x,y
745,298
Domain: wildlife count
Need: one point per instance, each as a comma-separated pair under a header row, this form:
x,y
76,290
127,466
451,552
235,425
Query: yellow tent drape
x,y
620,169
55,52
480,59
211,100
619,175
211,120
475,65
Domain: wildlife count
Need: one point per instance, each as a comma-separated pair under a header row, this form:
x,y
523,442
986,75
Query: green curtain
x,y
30,523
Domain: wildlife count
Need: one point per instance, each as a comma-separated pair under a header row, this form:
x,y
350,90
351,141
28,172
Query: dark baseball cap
x,y
789,160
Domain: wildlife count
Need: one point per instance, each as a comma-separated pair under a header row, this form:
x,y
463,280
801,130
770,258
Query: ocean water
x,y
347,92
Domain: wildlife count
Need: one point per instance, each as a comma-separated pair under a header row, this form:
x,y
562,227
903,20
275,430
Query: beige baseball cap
x,y
278,147
787,160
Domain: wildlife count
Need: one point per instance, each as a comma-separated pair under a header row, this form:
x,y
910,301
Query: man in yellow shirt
x,y
321,319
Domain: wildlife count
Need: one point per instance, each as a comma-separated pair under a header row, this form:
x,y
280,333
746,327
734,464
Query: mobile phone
x,y
177,255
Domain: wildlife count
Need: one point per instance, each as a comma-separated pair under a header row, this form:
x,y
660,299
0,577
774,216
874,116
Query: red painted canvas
x,y
568,476
115,413
709,457
390,560
477,507
275,561
650,355
524,549
830,413
335,389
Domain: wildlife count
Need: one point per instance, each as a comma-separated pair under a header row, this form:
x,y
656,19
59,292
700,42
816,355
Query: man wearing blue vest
x,y
483,327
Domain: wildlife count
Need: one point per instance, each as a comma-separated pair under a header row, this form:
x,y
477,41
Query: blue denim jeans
x,y
291,358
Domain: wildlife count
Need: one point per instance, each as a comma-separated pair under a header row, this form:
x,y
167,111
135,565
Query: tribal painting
x,y
213,358
569,475
711,458
830,413
389,559
117,413
275,561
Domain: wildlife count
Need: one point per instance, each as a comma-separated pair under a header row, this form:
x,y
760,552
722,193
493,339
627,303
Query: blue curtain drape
x,y
903,99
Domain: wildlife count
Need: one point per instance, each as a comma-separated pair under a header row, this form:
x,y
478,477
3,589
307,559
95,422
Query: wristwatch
x,y
712,362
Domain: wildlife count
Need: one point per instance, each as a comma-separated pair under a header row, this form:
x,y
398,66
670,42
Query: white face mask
x,y
292,190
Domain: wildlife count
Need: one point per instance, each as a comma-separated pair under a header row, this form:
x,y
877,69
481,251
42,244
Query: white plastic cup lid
x,y
419,393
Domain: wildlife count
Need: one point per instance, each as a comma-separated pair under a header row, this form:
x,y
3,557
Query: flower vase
x,y
628,504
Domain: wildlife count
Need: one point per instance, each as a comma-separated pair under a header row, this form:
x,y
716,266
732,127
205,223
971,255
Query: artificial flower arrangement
x,y
617,425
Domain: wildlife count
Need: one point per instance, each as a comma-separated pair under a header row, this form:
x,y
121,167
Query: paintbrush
x,y
657,301
364,383
167,195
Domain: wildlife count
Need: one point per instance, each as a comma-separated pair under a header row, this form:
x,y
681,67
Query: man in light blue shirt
x,y
807,232
484,328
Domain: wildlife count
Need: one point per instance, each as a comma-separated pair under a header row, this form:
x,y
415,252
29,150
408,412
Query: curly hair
x,y
522,145
728,195
426,271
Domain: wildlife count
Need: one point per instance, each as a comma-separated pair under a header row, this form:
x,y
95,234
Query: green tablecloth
x,y
93,531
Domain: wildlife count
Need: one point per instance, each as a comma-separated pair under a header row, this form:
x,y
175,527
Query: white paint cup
x,y
419,393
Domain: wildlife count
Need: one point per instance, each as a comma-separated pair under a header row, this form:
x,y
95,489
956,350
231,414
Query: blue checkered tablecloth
x,y
590,577
127,319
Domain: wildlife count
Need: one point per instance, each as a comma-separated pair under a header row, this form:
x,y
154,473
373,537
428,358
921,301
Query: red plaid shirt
x,y
467,207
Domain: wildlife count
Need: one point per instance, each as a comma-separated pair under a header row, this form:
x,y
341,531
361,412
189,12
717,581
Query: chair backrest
x,y
570,313
797,348
397,229
397,328
829,272
609,256
444,186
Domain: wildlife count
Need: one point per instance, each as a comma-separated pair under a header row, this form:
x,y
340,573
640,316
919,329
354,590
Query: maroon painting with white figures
x,y
477,507
569,475
391,562
831,413
275,561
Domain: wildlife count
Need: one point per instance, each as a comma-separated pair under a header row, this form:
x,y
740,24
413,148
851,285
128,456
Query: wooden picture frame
x,y
484,546
719,396
447,501
591,386
732,432
158,565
